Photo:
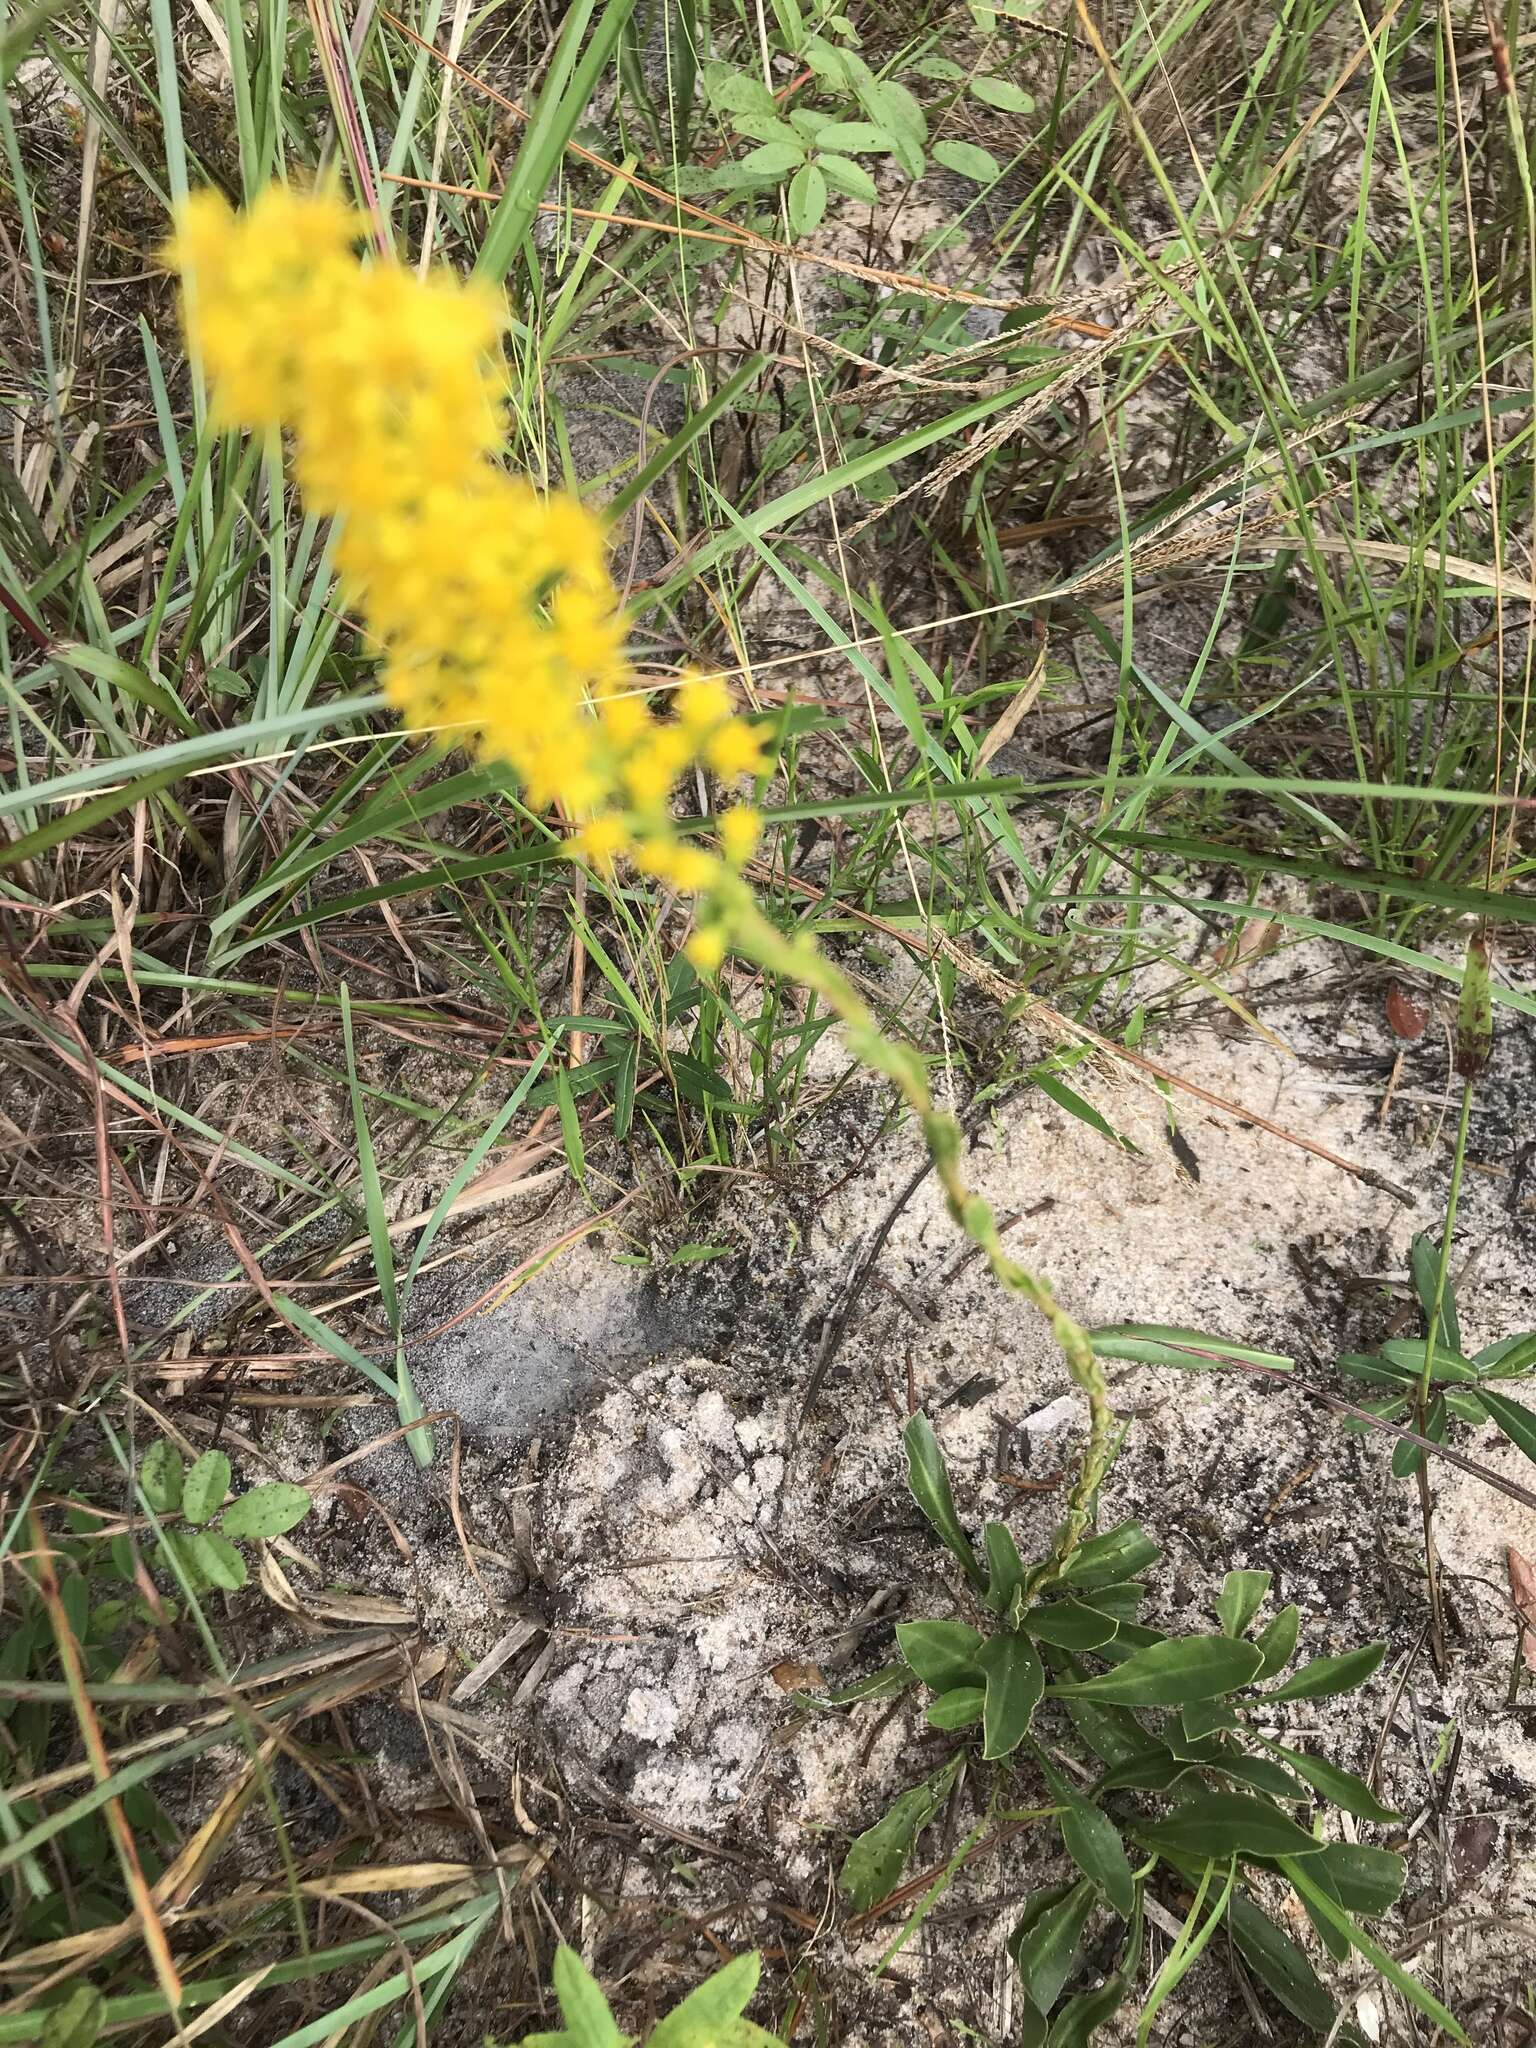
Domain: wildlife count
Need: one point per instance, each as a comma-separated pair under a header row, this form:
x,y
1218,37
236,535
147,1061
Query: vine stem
x,y
797,959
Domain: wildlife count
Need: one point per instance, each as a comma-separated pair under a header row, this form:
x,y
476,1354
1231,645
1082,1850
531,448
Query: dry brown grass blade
x,y
166,1973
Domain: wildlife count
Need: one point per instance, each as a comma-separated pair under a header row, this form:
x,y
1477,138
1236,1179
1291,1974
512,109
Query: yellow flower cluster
x,y
492,603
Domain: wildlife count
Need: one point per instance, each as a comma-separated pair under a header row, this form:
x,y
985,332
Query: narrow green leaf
x,y
1325,1676
1513,1417
1167,1674
1279,1964
928,1483
1334,1915
581,56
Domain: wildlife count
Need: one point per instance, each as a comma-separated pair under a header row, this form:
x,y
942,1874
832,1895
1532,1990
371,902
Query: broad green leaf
x,y
737,93
961,1707
1003,94
1070,1625
1277,1641
1120,1599
1045,1943
1407,1354
1157,1770
1015,1681
1325,1676
891,107
968,160
1199,1718
942,1653
1318,1901
1242,1595
1167,1674
854,136
1093,1842
872,1868
161,1475
771,159
1222,1824
204,1488
215,1557
928,1483
1516,1420
1117,1554
1279,1964
710,2017
806,199
266,1511
1363,1878
849,178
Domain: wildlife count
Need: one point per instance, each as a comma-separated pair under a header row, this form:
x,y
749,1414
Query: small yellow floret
x,y
706,949
741,828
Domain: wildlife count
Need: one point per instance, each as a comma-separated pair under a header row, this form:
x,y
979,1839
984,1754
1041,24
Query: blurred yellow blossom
x,y
491,602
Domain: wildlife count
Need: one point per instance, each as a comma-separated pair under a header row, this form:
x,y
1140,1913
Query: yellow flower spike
x,y
491,605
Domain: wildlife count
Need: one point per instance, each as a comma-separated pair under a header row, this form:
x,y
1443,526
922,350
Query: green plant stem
x,y
1421,1403
798,959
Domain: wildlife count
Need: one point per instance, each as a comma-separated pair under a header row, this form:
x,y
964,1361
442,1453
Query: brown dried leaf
x,y
790,1676
1522,1590
1407,1015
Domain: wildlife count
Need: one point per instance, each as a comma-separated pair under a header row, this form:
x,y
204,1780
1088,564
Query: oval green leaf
x,y
1015,1681
967,160
205,1486
265,1512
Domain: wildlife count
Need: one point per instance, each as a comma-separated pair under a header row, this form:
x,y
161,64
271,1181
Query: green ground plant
x,y
1233,1799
